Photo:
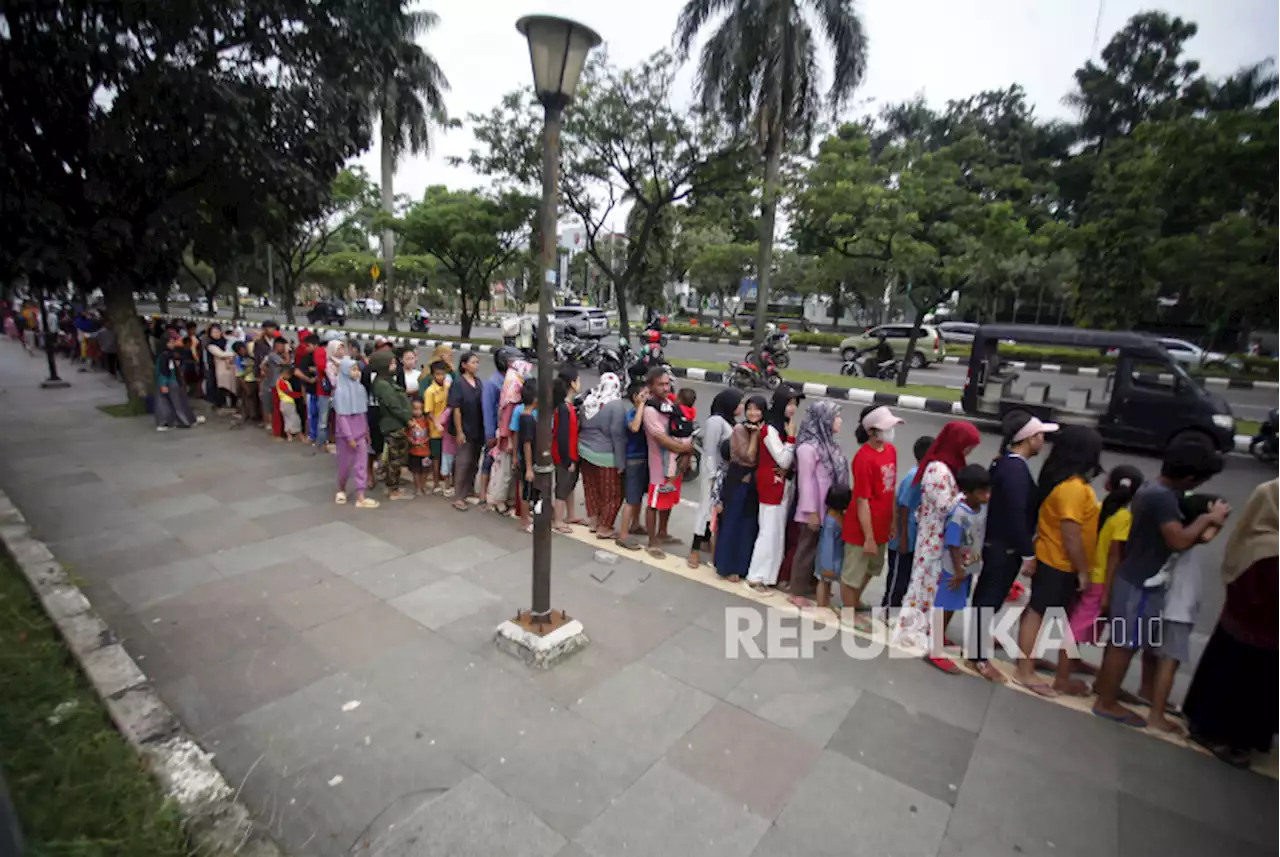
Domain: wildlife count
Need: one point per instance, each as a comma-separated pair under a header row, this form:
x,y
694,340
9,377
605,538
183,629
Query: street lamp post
x,y
558,51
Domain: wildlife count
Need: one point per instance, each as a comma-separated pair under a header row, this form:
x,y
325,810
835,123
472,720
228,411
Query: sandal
x,y
627,544
759,588
340,498
604,536
947,665
1042,688
461,506
988,671
367,503
655,553
1129,718
692,561
1075,687
564,529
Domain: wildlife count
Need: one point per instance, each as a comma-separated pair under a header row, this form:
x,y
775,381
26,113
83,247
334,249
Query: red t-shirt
x,y
875,476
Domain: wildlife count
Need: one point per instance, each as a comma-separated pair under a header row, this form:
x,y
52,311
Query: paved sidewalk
x,y
339,663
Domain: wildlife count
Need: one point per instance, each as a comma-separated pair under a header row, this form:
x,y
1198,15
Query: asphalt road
x,y
1250,404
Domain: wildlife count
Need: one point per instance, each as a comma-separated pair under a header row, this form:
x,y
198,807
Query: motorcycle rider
x,y
881,356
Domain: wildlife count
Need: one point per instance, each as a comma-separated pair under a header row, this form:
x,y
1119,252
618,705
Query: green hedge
x,y
798,337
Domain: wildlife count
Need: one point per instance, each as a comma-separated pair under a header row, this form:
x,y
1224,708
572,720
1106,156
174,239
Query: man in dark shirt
x,y
305,374
1156,532
526,444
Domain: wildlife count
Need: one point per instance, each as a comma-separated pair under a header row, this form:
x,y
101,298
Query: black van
x,y
1145,400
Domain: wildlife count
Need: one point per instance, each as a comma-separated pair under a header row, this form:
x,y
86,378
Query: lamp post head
x,y
558,49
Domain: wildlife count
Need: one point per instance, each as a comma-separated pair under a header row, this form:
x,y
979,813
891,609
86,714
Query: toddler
x,y
681,422
831,542
288,404
418,434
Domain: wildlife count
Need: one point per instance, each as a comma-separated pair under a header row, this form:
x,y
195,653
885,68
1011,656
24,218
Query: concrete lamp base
x,y
538,650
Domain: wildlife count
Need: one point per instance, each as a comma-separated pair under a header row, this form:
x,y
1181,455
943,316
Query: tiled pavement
x,y
263,612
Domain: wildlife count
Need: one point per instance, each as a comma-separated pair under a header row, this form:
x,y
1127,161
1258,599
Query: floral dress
x,y
939,494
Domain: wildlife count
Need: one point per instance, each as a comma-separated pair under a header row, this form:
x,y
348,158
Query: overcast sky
x,y
940,48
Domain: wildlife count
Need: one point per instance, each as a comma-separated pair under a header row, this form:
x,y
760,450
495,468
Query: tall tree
x,y
623,144
302,234
911,216
475,236
155,111
760,69
409,98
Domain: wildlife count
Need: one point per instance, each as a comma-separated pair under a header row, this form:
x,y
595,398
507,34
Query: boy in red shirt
x,y
868,522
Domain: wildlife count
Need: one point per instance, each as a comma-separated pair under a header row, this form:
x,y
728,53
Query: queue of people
x,y
783,509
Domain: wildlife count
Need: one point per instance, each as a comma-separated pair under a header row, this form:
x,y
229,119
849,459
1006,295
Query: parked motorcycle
x,y
583,353
1265,445
748,374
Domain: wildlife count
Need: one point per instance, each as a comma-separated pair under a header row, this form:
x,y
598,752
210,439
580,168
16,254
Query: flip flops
x,y
1129,718
1039,688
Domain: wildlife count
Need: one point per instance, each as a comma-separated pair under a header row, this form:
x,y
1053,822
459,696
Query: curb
x,y
215,820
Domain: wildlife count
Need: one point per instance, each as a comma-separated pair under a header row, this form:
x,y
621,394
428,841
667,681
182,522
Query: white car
x,y
367,306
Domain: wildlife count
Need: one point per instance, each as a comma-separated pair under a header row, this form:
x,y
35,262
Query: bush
x,y
798,337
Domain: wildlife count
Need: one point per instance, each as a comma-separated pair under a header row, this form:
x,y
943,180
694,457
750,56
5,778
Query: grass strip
x,y
833,380
79,788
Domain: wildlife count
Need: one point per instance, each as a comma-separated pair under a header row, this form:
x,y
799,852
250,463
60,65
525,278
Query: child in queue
x,y
418,435
435,398
527,435
962,542
830,543
288,403
1182,577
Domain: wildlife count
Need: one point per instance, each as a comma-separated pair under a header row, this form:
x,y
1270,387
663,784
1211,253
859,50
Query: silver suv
x,y
582,321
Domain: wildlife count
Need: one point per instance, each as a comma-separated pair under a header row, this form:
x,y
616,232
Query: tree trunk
x,y
768,212
162,298
464,317
624,324
135,353
287,296
911,345
388,236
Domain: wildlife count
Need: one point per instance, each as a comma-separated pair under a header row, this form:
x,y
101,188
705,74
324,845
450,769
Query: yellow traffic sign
x,y
375,271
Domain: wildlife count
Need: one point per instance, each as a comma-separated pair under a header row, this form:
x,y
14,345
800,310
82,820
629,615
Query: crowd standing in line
x,y
784,509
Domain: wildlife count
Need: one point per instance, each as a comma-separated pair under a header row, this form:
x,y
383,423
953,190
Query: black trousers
x,y
1000,565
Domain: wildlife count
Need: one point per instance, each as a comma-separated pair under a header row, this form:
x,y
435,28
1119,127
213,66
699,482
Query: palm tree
x,y
759,68
408,100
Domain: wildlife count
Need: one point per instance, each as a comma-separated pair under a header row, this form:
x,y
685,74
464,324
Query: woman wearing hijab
x,y
937,479
776,455
820,464
602,452
220,370
1231,706
725,409
334,351
172,407
351,431
739,522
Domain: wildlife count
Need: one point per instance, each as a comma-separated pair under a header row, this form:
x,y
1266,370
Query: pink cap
x,y
1034,427
880,419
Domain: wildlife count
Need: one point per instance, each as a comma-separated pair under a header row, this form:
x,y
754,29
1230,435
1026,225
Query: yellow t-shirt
x,y
1072,500
1116,529
434,401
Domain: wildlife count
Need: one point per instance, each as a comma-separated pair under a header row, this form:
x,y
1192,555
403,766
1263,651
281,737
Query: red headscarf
x,y
949,447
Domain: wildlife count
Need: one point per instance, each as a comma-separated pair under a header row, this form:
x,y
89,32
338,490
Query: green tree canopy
x,y
474,235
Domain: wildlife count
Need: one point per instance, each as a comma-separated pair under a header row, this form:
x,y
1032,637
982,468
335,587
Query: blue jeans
x,y
318,418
